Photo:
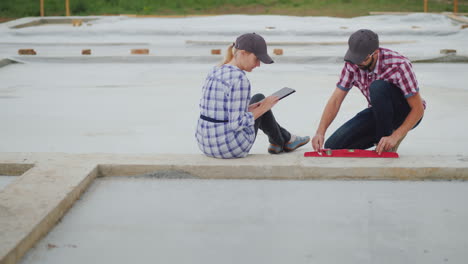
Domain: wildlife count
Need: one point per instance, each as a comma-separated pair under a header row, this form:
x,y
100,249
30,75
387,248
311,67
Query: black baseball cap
x,y
254,43
360,44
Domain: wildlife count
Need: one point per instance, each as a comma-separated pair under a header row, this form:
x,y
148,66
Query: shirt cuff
x,y
343,88
408,95
251,119
244,121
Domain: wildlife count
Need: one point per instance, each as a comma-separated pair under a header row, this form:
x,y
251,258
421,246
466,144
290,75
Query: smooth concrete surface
x,y
5,180
55,108
213,59
32,204
149,108
428,34
147,220
115,102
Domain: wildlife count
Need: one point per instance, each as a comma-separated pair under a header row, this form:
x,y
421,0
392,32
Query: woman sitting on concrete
x,y
229,118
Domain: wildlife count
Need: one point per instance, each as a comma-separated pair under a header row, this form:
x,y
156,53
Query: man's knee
x,y
257,98
328,144
332,145
381,91
334,141
378,87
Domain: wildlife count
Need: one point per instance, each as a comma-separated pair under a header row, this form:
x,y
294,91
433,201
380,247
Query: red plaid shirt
x,y
391,67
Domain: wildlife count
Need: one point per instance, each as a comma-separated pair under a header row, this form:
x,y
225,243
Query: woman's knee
x,y
257,98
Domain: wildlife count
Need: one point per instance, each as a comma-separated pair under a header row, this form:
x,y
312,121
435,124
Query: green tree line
x,y
342,8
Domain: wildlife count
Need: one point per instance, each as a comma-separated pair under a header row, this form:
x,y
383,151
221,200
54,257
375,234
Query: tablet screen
x,y
283,92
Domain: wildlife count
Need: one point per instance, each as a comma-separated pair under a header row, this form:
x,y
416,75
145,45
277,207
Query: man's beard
x,y
367,67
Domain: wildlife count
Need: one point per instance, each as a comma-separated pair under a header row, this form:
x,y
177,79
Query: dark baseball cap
x,y
360,44
254,43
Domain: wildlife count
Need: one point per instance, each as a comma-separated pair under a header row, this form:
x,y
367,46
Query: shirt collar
x,y
377,64
232,67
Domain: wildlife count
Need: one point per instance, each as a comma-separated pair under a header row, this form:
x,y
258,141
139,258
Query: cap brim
x,y
354,57
265,58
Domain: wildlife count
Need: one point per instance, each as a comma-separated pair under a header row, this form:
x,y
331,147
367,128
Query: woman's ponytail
x,y
229,54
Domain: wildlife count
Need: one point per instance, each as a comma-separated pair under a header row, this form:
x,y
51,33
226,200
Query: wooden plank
x,y
42,8
67,7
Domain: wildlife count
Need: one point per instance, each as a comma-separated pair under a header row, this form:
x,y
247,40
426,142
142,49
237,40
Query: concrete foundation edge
x,y
43,226
59,179
5,62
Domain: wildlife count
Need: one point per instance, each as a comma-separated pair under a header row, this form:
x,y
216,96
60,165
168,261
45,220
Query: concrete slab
x,y
32,205
427,34
5,180
120,219
34,202
141,107
87,103
87,108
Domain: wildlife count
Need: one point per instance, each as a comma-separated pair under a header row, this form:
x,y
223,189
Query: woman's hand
x,y
269,102
264,106
253,106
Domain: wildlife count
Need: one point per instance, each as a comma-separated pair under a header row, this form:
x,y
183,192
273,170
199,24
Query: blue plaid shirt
x,y
226,96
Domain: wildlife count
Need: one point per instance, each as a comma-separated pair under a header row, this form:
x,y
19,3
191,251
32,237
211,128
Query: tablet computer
x,y
283,92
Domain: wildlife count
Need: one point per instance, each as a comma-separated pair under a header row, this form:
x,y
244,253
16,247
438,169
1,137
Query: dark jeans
x,y
267,123
389,109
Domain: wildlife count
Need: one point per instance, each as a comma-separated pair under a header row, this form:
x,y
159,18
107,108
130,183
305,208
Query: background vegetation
x,y
340,8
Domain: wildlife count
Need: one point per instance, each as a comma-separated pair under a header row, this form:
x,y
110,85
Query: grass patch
x,y
340,8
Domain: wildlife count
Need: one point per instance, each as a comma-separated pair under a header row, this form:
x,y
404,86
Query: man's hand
x,y
387,143
317,142
328,115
